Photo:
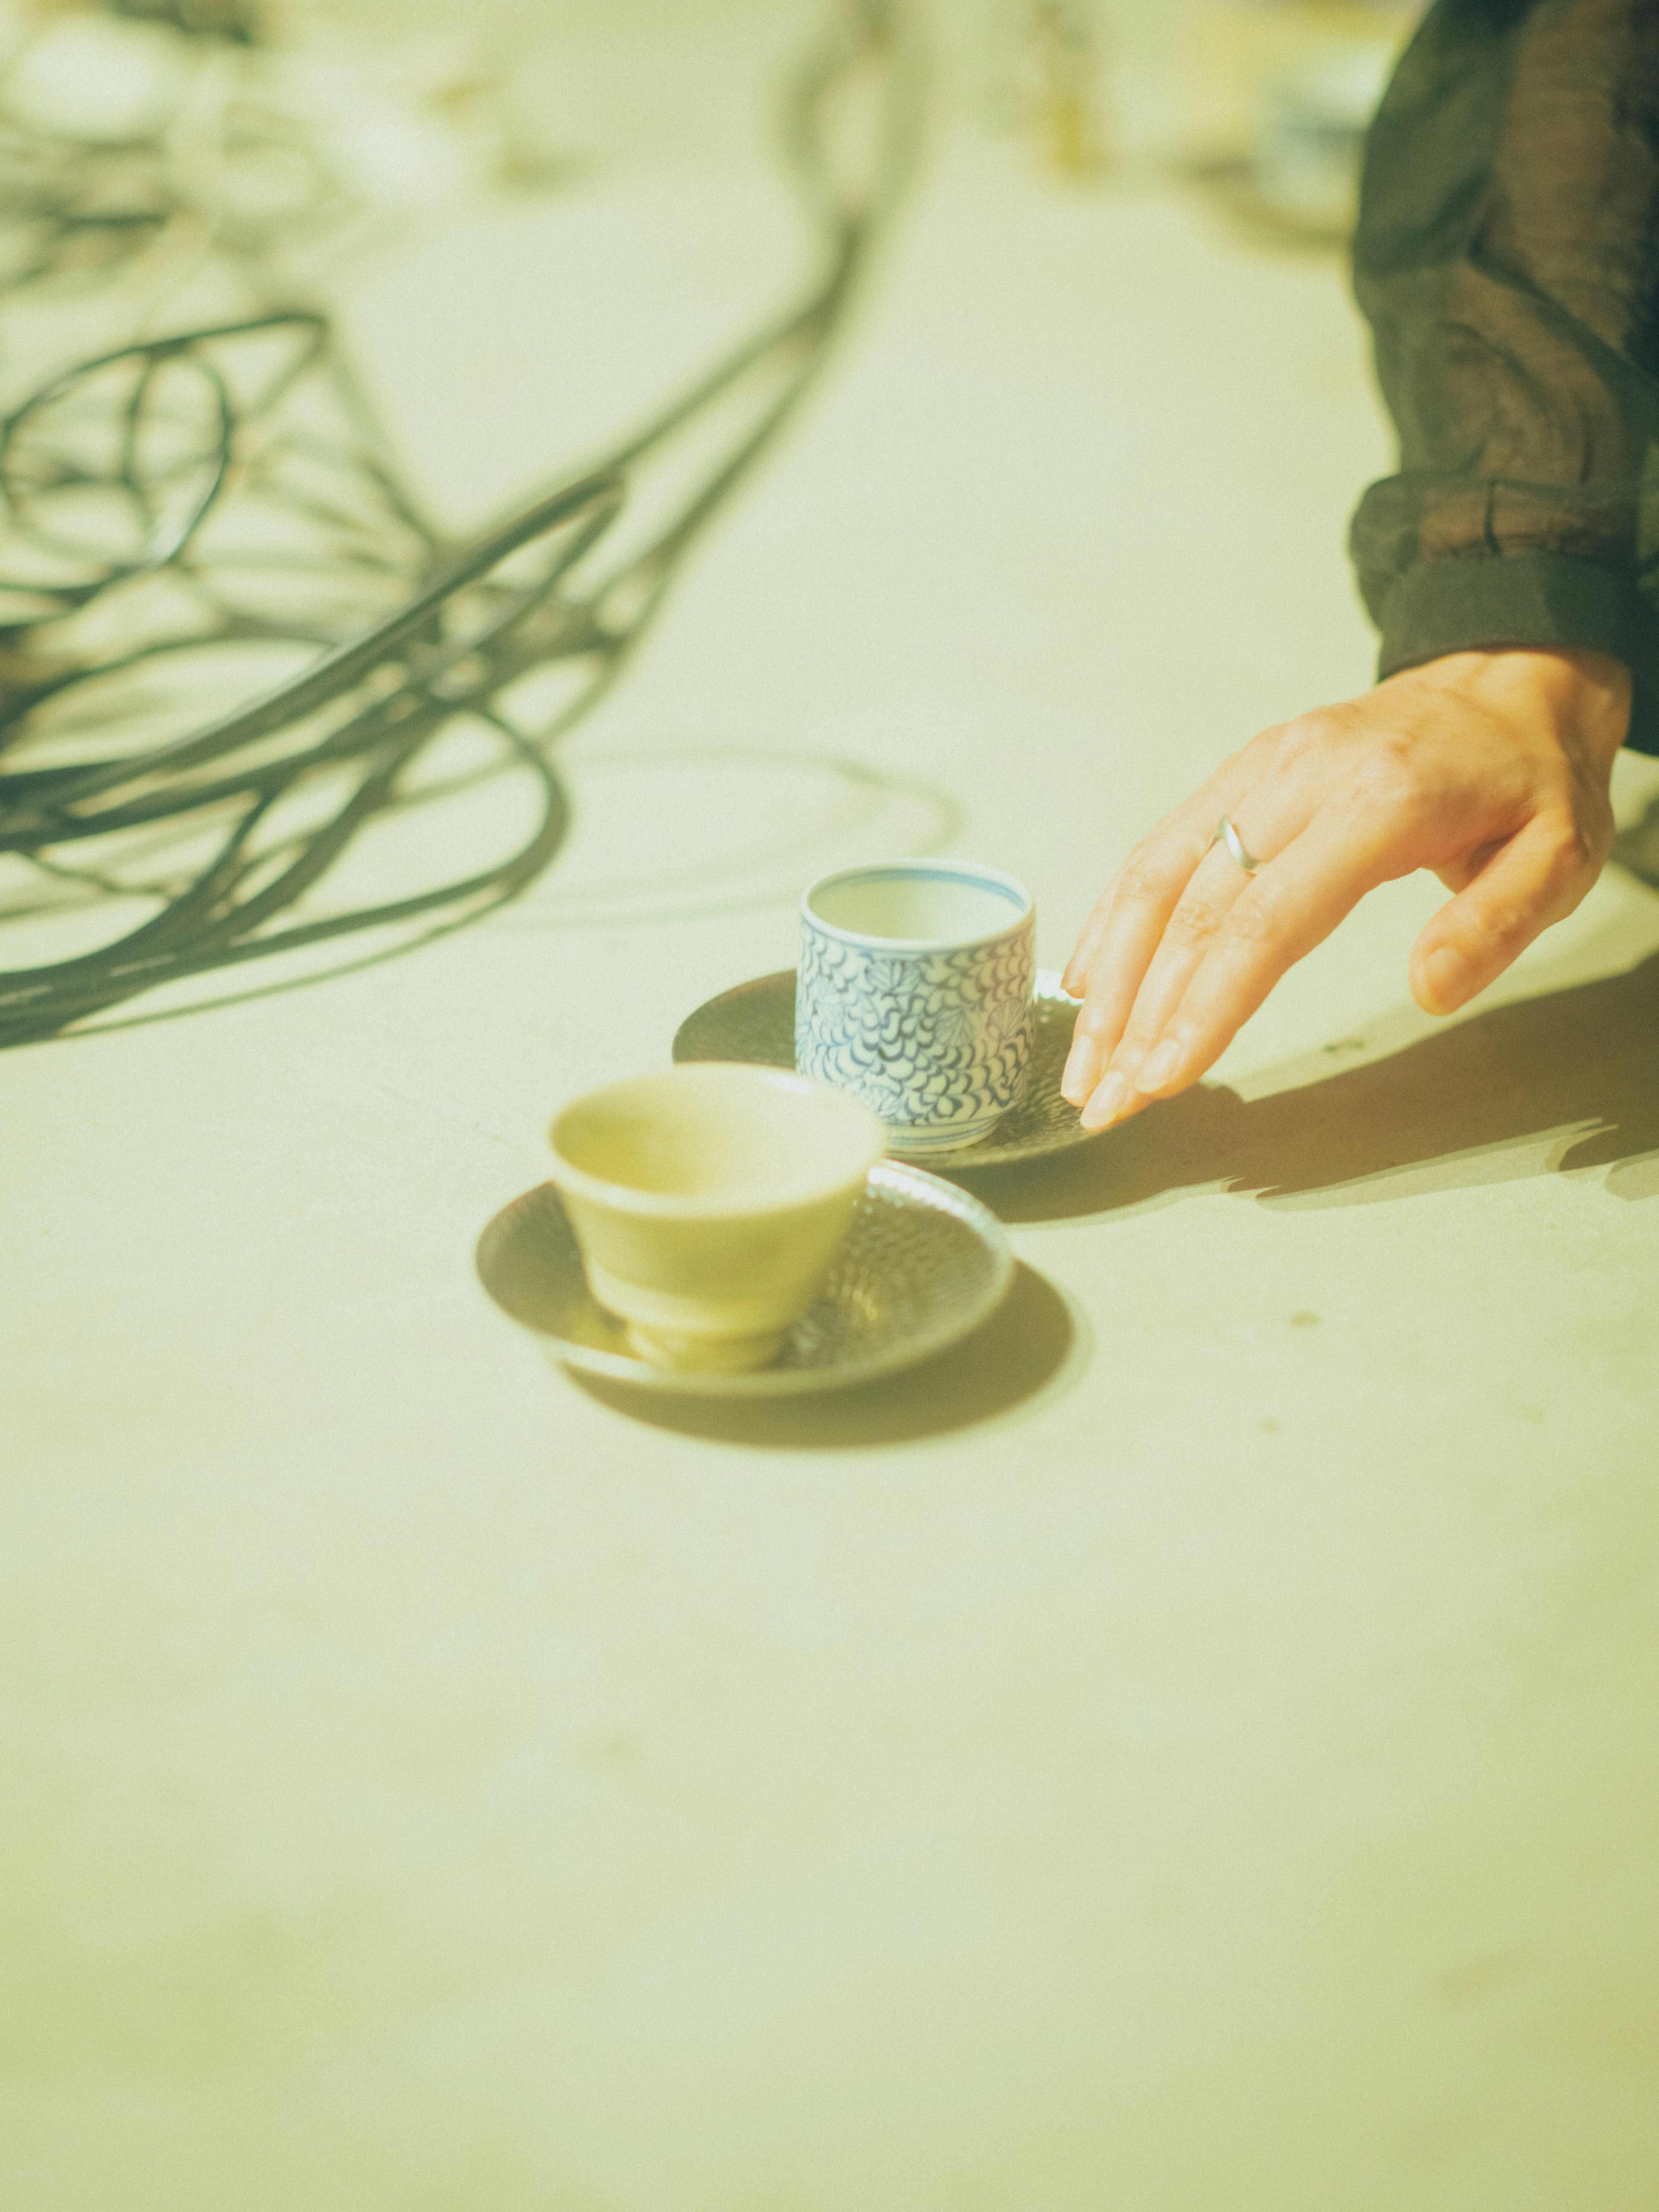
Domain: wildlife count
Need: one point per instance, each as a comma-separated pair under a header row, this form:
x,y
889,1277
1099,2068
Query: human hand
x,y
1490,768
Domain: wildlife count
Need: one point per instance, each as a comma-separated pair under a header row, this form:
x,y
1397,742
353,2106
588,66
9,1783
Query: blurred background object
x,y
1265,101
1280,93
1047,80
1311,126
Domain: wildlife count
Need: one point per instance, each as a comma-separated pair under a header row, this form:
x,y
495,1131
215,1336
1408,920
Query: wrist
x,y
1584,697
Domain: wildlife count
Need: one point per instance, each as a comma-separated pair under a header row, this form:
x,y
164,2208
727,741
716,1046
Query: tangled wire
x,y
186,504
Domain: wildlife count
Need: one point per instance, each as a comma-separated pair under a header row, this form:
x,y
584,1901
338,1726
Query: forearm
x,y
1508,257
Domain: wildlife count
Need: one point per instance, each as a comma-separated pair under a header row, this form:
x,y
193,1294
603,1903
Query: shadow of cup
x,y
1034,1344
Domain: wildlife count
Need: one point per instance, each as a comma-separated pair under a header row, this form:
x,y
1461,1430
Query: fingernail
x,y
1447,974
1107,1103
1082,1069
1158,1066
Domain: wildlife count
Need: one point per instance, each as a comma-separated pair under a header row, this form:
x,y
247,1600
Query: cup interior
x,y
920,904
714,1137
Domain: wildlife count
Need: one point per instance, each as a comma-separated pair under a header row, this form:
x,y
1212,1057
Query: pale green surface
x,y
1223,1781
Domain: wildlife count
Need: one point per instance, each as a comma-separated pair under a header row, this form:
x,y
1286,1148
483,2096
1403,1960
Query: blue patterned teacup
x,y
914,993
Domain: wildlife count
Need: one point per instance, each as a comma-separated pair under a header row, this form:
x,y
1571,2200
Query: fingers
x,y
1132,923
1282,912
1127,924
1274,817
1163,916
1526,882
1214,887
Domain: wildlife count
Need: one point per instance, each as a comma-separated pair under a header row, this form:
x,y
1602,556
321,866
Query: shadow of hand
x,y
1470,1104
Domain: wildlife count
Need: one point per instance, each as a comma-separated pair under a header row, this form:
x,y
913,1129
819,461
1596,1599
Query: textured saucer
x,y
923,1263
757,1022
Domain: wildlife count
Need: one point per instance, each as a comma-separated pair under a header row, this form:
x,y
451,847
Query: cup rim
x,y
972,870
677,1205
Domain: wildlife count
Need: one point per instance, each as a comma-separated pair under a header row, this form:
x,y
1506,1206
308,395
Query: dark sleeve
x,y
1507,259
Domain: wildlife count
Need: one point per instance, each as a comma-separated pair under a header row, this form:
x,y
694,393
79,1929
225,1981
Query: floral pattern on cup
x,y
937,1041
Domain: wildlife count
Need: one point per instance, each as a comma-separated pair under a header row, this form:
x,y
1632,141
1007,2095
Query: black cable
x,y
118,472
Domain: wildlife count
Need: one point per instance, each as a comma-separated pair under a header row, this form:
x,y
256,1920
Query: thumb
x,y
1532,879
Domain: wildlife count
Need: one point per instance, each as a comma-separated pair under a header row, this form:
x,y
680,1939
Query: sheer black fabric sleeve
x,y
1507,259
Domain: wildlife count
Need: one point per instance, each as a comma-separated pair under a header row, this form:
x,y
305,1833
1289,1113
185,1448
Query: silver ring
x,y
1225,833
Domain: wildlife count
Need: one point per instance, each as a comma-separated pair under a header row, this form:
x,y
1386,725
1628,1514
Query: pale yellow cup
x,y
710,1200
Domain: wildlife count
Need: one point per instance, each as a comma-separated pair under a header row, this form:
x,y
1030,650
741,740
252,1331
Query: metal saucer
x,y
923,1263
757,1022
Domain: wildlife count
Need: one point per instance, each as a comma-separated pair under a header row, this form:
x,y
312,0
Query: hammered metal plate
x,y
757,1022
922,1264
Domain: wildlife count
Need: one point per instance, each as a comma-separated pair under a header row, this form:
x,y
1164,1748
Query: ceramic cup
x,y
913,993
709,1201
